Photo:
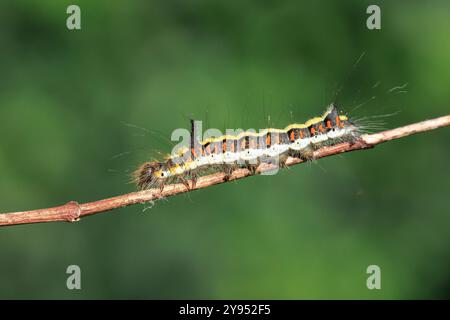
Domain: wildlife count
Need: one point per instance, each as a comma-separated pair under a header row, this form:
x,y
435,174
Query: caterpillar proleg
x,y
248,149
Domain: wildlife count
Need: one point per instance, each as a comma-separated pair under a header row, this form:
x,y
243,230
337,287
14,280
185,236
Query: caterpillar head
x,y
150,174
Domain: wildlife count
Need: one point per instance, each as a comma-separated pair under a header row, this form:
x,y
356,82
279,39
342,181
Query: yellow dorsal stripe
x,y
305,125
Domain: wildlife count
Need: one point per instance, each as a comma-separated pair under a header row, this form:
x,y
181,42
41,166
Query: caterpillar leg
x,y
252,168
306,154
185,182
282,161
194,179
228,170
294,154
352,139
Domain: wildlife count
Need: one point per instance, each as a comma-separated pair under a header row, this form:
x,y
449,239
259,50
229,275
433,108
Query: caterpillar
x,y
248,149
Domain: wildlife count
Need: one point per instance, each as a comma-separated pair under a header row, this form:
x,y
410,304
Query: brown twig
x,y
73,211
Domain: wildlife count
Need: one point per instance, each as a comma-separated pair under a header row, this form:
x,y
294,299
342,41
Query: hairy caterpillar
x,y
248,149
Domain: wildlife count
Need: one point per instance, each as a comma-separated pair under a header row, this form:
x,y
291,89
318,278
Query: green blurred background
x,y
72,103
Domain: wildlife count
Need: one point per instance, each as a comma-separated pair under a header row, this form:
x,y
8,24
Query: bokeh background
x,y
79,110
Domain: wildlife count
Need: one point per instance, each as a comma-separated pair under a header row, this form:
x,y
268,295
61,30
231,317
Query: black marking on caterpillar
x,y
248,149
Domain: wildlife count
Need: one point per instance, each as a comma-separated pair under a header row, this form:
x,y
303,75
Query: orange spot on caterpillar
x,y
313,131
268,140
292,136
321,128
328,124
301,134
338,122
224,145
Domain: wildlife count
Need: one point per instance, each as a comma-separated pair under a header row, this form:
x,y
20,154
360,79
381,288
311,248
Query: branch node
x,y
73,211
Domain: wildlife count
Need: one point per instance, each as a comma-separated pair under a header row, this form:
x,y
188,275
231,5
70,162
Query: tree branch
x,y
73,211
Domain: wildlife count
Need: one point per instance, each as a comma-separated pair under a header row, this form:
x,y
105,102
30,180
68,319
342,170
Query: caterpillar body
x,y
248,149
